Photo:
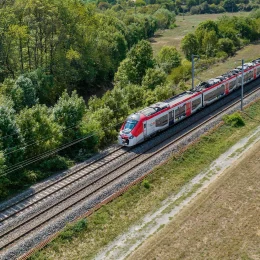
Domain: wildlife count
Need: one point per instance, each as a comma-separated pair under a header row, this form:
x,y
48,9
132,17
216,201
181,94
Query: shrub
x,y
235,120
146,184
30,176
80,225
56,163
73,229
66,235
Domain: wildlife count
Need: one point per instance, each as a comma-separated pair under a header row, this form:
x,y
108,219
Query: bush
x,y
73,229
235,120
30,176
164,18
146,184
56,163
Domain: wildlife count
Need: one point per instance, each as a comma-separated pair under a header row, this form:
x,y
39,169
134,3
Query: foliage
x,y
182,72
168,58
190,45
226,45
154,78
164,18
146,184
39,130
56,163
22,92
213,39
69,110
132,69
10,137
46,91
234,120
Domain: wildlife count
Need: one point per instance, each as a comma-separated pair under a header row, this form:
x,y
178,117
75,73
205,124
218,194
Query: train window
x,y
232,84
144,125
180,111
161,121
215,93
129,125
196,103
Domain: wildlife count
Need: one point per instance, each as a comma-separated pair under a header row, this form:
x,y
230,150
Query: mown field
x,y
188,25
222,223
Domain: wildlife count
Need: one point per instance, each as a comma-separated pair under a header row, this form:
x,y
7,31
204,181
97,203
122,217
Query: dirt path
x,y
223,222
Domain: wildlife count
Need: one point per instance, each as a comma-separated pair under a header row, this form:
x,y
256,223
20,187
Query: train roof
x,y
175,100
179,98
171,102
153,108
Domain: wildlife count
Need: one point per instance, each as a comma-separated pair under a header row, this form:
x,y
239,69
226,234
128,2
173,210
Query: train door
x,y
226,88
145,128
188,108
254,73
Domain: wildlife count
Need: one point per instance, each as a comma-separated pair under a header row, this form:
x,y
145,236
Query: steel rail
x,y
52,184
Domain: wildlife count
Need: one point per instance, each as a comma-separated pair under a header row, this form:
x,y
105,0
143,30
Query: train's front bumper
x,y
126,140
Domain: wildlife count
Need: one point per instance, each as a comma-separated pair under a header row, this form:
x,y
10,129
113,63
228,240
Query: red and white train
x,y
150,120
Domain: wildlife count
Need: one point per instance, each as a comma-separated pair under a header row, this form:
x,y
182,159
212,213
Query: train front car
x,y
131,131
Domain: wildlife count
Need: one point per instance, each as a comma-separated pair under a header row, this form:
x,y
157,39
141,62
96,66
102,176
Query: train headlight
x,y
131,137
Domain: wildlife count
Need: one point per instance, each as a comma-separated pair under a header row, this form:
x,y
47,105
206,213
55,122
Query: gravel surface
x,y
81,208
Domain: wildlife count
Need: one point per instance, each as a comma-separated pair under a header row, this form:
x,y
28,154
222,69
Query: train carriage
x,y
150,120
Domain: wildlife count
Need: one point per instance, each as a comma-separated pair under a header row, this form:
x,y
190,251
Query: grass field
x,y
222,223
173,37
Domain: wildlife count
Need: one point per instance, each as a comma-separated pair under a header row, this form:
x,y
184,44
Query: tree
x,y
138,60
46,90
168,58
28,91
69,110
164,18
10,137
209,43
154,78
230,6
226,45
39,130
190,45
203,28
134,96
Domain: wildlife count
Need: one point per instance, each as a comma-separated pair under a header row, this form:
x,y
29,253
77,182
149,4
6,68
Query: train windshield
x,y
129,125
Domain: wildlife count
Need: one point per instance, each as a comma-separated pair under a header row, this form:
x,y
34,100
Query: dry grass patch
x,y
223,223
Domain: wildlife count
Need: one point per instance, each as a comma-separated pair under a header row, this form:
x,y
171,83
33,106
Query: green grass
x,y
116,217
173,37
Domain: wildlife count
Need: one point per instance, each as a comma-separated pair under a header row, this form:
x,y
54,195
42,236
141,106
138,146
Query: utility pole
x,y
192,69
242,85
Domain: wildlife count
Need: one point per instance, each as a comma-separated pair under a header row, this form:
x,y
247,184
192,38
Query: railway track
x,y
21,205
11,234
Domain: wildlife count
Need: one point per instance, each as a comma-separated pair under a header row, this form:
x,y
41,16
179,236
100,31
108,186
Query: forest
x,y
58,57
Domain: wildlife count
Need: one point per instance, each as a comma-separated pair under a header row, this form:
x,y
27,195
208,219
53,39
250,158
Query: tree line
x,y
54,52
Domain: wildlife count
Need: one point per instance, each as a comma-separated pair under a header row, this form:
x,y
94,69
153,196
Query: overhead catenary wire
x,y
43,139
49,153
38,141
18,132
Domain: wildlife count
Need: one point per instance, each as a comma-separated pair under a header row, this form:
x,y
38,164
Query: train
x,y
149,121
